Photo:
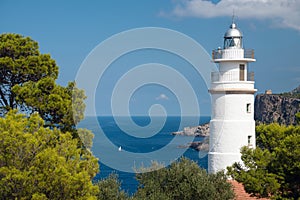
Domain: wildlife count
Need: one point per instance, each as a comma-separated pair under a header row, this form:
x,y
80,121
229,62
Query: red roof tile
x,y
240,193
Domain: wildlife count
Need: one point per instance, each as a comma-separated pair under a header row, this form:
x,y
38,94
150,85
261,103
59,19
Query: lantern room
x,y
233,38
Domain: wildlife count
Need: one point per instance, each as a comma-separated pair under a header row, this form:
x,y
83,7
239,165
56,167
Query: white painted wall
x,y
232,107
232,117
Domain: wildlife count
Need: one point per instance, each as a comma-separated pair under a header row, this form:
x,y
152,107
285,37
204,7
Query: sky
x,y
70,30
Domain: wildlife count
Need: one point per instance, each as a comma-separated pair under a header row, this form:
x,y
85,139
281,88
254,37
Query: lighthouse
x,y
232,124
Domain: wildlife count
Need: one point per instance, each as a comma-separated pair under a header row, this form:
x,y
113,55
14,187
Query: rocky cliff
x,y
271,108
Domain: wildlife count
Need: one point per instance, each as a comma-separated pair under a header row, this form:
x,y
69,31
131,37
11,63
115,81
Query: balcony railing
x,y
232,53
231,76
250,76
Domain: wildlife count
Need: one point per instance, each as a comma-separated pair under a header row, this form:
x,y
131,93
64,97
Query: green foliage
x,y
27,82
42,163
20,62
269,136
35,161
291,95
86,136
273,168
54,103
254,174
109,189
181,180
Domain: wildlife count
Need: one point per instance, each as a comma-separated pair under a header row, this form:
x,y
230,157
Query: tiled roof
x,y
240,193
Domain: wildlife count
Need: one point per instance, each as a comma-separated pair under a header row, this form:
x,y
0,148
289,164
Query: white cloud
x,y
282,13
162,97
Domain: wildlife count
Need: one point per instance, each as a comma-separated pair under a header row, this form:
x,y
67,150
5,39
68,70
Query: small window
x,y
242,72
248,108
249,140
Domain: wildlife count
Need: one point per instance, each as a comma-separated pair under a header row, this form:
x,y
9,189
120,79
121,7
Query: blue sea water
x,y
159,130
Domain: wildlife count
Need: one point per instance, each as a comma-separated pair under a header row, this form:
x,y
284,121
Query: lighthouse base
x,y
220,161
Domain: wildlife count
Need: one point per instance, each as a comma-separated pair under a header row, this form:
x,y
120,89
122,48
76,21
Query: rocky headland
x,y
195,131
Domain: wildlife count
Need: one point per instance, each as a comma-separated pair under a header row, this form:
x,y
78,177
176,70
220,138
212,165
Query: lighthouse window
x,y
249,140
242,72
248,108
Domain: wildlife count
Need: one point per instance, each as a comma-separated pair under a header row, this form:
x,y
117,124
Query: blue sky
x,y
70,30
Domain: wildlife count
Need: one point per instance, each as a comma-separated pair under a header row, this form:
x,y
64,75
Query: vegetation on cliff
x,y
295,93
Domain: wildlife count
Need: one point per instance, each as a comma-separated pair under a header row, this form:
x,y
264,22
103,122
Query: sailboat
x,y
120,148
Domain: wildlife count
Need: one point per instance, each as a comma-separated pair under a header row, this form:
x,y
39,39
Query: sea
x,y
123,144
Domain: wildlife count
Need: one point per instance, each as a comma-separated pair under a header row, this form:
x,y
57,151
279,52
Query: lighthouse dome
x,y
233,37
233,32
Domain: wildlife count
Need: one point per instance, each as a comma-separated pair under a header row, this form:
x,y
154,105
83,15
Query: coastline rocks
x,y
200,146
196,131
197,145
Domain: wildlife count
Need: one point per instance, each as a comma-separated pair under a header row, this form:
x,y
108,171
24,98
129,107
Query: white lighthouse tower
x,y
232,124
